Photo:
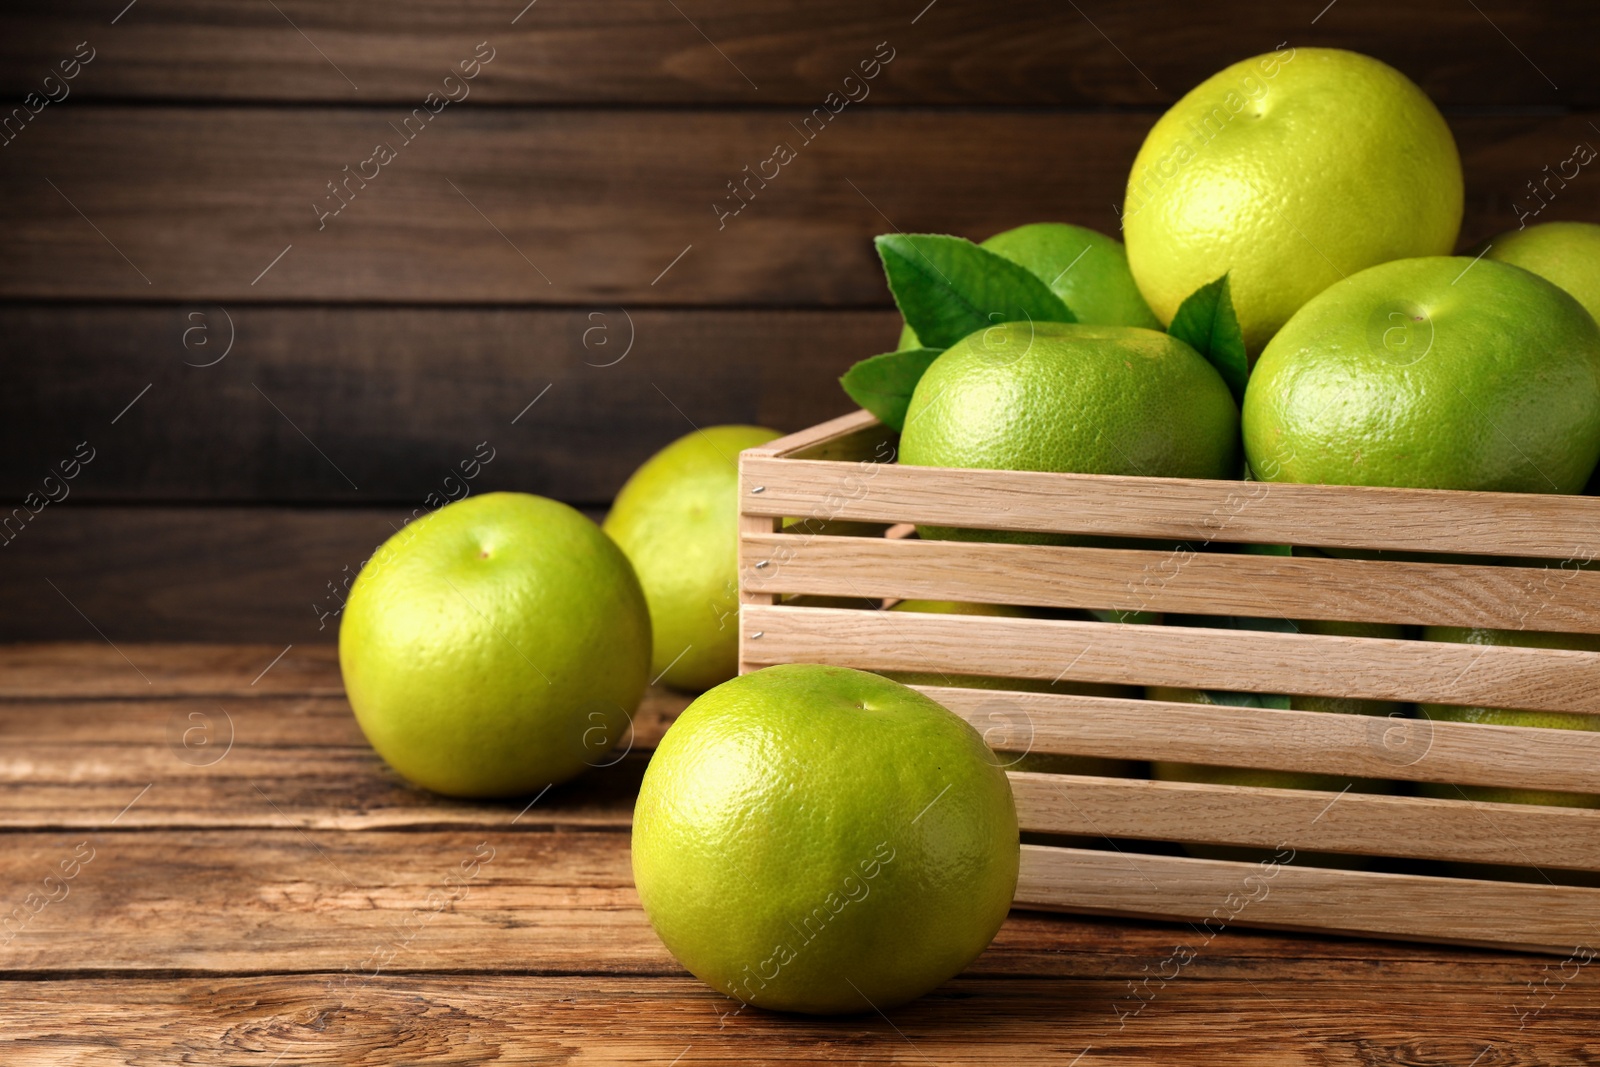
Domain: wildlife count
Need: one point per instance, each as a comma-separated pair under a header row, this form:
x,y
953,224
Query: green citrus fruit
x,y
1434,373
1288,171
1566,253
1010,724
677,518
1508,717
1053,396
1085,268
824,840
495,646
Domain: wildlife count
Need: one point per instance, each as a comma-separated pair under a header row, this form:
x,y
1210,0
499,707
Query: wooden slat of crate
x,y
1181,509
1193,657
1309,820
1566,599
1311,742
1541,918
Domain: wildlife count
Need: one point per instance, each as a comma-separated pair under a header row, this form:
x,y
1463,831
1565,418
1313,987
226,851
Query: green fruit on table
x,y
1435,373
677,519
819,839
1288,171
495,646
1063,397
1509,717
1085,268
1565,253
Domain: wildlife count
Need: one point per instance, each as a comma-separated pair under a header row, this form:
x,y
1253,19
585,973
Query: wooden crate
x,y
843,473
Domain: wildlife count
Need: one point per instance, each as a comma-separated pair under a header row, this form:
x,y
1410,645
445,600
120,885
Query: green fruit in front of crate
x,y
1511,717
1001,719
1070,398
1435,373
824,840
677,520
1085,268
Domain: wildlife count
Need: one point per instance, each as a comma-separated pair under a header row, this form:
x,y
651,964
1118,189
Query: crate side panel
x,y
1362,746
1217,894
1190,510
1554,597
1309,820
1190,657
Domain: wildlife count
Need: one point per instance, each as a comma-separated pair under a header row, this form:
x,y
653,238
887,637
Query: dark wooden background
x,y
534,232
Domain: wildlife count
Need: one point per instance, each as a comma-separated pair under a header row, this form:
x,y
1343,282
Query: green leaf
x,y
1133,618
1248,700
948,287
884,384
1206,321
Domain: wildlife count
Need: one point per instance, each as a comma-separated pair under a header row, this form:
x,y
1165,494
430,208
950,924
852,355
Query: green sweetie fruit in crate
x,y
1439,373
1063,397
1271,779
1512,717
1264,778
677,519
1085,268
1565,253
1287,171
495,646
824,840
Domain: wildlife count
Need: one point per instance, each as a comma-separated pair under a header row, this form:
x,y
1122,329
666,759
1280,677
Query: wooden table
x,y
222,872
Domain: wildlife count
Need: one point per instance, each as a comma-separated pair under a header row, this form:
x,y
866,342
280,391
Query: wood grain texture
x,y
634,52
265,762
1553,597
1424,1014
1283,895
1194,511
1194,657
294,942
1314,742
534,901
1307,820
62,671
580,205
237,736
395,400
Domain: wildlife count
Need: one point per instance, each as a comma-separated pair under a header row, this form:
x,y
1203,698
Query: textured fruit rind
x,y
677,519
1288,171
1439,373
818,839
495,646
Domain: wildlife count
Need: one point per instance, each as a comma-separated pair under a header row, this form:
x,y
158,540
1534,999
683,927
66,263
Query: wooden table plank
x,y
205,748
271,911
297,1021
584,206
497,897
84,670
632,51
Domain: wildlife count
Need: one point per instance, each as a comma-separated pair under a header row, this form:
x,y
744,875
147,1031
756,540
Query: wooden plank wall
x,y
554,234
